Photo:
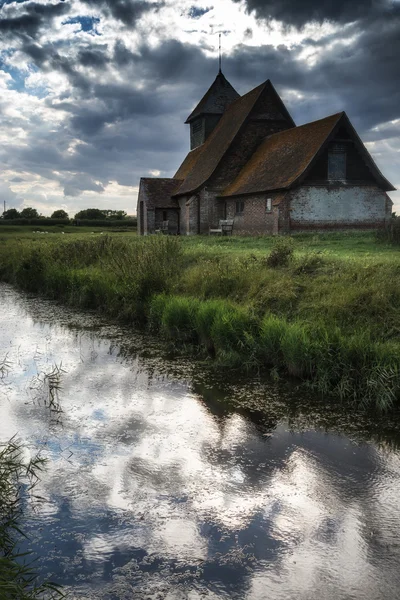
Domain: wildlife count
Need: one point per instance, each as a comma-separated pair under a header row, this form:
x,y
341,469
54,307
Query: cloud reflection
x,y
148,489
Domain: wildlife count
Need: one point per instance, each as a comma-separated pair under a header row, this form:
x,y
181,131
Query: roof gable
x,y
369,161
217,98
270,106
284,159
219,141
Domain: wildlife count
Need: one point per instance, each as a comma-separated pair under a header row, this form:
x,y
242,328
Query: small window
x,y
268,205
337,162
239,208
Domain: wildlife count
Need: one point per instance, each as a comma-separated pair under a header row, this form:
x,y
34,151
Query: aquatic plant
x,y
18,478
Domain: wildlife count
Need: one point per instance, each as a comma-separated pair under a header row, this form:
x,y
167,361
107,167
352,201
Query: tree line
x,y
86,214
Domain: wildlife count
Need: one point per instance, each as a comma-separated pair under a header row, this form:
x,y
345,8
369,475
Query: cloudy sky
x,y
94,93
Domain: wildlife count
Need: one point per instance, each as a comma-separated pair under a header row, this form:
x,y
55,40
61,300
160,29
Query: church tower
x,y
210,109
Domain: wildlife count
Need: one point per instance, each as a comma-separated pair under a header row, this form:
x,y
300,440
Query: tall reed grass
x,y
18,578
332,322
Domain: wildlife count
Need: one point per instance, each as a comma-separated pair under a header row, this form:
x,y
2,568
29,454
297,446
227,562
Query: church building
x,y
250,164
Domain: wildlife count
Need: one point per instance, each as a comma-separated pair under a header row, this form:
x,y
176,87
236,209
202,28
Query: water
x,y
156,487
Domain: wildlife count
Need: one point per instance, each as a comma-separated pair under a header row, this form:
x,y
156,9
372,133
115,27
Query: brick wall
x,y
172,216
324,207
149,225
255,219
192,215
183,215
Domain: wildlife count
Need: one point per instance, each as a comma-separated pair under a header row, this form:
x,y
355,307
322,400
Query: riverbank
x,y
325,309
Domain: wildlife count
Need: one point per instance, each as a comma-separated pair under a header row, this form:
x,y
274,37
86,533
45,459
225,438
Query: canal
x,y
167,480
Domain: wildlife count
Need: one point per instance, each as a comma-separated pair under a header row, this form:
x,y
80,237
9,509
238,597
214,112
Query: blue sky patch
x,y
195,12
87,24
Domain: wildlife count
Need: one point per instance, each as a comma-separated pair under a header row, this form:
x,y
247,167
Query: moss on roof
x,y
282,158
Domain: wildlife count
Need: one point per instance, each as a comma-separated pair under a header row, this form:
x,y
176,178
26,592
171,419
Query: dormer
x,y
204,118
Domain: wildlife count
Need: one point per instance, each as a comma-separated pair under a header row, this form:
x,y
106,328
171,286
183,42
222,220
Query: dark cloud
x,y
129,121
81,182
29,17
126,11
298,13
96,59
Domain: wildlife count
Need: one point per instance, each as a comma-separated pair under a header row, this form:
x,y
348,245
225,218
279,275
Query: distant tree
x,y
59,214
11,213
115,214
29,213
91,213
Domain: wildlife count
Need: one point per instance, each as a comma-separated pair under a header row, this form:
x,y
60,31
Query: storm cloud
x,y
126,11
94,93
298,14
30,17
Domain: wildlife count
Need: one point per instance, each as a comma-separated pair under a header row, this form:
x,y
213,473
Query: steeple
x,y
209,110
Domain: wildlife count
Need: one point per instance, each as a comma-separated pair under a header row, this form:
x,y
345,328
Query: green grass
x,y
322,308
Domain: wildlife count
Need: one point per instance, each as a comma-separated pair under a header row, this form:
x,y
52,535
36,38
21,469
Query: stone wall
x,y
328,207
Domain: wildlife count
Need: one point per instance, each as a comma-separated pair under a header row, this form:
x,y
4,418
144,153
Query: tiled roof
x,y
189,163
219,141
282,158
157,192
216,100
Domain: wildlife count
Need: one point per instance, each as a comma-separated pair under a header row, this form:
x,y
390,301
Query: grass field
x,y
324,308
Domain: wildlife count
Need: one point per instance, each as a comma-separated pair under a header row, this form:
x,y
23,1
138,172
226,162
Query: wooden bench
x,y
225,227
164,227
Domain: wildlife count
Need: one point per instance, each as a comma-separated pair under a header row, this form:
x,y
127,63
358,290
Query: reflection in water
x,y
154,489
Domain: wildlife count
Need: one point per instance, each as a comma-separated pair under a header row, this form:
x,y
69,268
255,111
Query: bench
x,y
164,227
225,227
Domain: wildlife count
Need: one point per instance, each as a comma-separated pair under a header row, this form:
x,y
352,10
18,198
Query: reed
x,y
18,578
327,318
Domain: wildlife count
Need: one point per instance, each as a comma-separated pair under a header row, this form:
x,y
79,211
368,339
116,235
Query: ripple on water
x,y
156,487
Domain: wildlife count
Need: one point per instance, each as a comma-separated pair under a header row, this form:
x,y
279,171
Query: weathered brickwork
x,y
322,207
171,215
192,215
149,221
317,176
183,215
255,219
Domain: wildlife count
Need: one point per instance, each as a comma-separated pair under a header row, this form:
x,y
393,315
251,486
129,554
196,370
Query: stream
x,y
168,480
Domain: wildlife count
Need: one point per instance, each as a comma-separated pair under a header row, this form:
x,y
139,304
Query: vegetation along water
x,y
324,309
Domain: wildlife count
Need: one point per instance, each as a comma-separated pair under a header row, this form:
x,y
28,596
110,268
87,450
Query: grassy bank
x,y
326,309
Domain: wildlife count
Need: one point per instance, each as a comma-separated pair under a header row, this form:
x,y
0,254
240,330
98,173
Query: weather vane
x,y
219,50
219,45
